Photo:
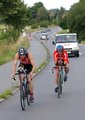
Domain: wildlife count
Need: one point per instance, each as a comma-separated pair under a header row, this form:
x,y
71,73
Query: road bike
x,y
60,78
24,87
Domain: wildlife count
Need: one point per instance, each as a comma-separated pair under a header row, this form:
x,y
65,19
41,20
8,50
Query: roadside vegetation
x,y
5,94
8,49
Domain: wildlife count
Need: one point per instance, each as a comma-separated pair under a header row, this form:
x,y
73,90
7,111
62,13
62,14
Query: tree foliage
x,y
13,12
76,19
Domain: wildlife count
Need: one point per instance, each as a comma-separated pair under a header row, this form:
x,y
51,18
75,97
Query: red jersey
x,y
64,56
24,60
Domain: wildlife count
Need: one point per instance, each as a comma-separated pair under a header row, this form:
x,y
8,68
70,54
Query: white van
x,y
69,41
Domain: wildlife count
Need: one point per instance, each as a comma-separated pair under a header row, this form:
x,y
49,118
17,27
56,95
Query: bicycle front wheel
x,y
22,97
60,86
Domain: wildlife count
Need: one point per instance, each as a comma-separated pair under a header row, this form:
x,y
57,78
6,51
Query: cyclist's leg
x,y
31,88
66,68
30,83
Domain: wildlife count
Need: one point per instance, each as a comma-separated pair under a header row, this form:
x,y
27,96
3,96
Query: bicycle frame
x,y
60,78
24,89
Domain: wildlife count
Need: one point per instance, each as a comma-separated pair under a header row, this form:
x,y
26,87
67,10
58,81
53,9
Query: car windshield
x,y
65,38
44,34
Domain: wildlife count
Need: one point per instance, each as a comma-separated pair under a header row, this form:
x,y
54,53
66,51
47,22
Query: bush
x,y
34,26
81,35
54,22
44,24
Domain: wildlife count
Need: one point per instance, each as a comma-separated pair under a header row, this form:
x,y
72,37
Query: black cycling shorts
x,y
28,67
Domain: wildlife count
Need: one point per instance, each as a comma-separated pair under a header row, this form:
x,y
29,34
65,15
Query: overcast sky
x,y
49,4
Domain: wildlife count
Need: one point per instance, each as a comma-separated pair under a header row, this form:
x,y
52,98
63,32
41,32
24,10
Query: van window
x,y
66,38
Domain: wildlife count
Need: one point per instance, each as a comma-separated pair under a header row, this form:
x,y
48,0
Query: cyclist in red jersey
x,y
26,60
60,53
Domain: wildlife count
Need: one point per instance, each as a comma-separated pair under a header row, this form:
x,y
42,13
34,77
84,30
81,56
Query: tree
x,y
39,12
13,12
76,19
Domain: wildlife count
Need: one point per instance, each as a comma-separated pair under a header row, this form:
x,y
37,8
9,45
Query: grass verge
x,y
7,51
6,93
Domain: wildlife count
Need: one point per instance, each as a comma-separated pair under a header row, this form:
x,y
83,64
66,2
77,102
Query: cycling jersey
x,y
64,56
24,60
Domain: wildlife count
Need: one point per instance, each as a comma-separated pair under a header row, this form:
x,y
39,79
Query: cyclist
x,y
26,60
60,53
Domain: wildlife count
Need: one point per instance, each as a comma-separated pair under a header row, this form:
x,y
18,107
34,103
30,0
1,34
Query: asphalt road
x,y
47,106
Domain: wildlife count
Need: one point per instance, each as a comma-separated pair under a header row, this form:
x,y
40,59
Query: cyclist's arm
x,y
55,55
32,62
15,64
66,58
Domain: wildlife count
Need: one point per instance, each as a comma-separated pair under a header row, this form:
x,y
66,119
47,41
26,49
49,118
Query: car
x,y
69,42
48,30
44,36
45,30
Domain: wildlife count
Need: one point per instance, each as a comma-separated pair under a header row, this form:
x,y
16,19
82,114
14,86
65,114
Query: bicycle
x,y
24,87
60,78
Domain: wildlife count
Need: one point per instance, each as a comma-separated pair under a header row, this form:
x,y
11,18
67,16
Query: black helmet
x,y
22,51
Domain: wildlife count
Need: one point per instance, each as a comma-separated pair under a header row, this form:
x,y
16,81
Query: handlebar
x,y
20,70
57,66
53,68
59,63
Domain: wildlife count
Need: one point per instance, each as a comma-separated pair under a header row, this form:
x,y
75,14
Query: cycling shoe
x,y
56,89
31,99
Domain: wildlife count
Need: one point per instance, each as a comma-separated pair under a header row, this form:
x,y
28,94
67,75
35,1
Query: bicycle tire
x,y
58,92
22,96
60,86
27,94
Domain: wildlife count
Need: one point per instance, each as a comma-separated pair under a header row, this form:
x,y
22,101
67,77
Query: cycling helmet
x,y
22,51
59,48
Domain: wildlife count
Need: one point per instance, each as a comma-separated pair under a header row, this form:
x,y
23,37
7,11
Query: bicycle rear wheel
x,y
22,96
60,85
27,94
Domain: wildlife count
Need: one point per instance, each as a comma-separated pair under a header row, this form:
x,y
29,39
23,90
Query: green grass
x,y
5,94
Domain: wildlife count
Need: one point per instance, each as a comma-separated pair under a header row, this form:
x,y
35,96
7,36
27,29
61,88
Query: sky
x,y
49,4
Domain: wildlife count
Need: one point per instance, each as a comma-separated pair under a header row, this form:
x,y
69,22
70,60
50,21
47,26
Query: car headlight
x,y
75,48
